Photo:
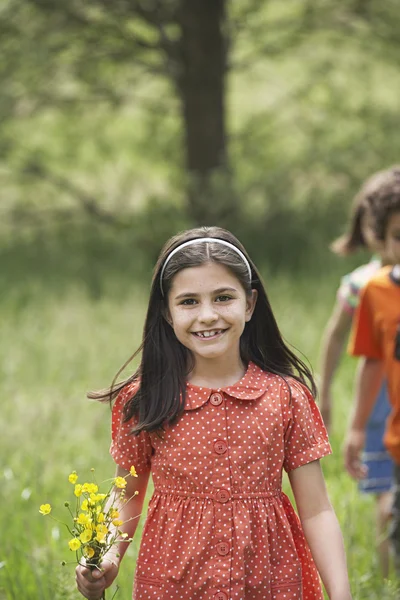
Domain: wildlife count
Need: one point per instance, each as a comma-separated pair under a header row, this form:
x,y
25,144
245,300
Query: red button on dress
x,y
223,548
220,596
222,496
220,447
216,399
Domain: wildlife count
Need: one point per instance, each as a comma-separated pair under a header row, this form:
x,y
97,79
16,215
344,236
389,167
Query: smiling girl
x,y
217,409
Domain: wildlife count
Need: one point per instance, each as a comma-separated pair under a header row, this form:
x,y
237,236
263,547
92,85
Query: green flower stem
x,y
93,566
70,511
61,523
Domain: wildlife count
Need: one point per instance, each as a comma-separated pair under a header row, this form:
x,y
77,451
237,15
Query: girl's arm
x,y
333,341
92,584
368,381
321,528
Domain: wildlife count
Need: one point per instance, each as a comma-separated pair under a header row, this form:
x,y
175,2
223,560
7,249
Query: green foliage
x,y
93,123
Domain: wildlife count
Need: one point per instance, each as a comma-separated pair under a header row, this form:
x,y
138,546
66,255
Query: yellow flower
x,y
83,519
100,518
84,505
117,522
73,477
78,490
94,498
101,532
74,544
114,514
89,552
120,482
45,509
85,536
133,471
90,488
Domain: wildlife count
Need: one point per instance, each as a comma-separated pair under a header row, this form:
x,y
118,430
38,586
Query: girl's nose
x,y
207,313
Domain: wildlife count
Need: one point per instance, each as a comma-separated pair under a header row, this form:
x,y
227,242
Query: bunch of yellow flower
x,y
96,521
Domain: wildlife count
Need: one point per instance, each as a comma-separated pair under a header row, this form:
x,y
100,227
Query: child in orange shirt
x,y
376,337
375,456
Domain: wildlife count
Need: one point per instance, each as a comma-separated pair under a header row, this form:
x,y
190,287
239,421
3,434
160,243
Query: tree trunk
x,y
201,86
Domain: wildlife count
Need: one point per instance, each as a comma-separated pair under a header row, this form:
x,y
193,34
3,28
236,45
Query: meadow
x,y
70,315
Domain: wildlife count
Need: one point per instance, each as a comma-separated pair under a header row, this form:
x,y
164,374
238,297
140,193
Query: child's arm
x,y
368,382
333,341
92,584
365,342
321,528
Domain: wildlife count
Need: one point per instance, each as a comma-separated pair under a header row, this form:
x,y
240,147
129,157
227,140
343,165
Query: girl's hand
x,y
353,446
92,584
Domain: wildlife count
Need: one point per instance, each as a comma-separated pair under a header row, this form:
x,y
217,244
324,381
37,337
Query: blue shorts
x,y
375,456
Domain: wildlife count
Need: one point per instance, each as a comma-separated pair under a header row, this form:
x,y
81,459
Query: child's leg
x,y
384,506
379,480
395,523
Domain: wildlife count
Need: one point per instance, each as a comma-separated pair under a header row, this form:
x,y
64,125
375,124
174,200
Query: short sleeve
x,y
306,438
127,449
364,338
351,285
348,294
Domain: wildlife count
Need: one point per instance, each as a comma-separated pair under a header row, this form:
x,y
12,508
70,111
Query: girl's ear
x,y
167,316
251,302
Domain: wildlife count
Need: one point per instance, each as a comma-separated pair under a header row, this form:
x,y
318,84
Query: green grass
x,y
57,341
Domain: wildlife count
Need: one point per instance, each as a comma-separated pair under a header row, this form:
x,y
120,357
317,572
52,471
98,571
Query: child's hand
x,y
92,584
353,446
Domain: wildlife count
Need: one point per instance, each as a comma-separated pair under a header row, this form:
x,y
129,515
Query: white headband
x,y
198,241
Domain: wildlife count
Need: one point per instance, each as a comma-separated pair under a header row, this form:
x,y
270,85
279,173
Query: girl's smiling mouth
x,y
208,334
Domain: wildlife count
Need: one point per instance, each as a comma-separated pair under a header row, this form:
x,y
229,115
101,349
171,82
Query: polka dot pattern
x,y
219,526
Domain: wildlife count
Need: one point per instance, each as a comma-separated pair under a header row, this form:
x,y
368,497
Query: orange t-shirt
x,y
374,332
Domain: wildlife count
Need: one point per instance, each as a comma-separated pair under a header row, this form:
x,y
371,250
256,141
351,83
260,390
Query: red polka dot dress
x,y
219,526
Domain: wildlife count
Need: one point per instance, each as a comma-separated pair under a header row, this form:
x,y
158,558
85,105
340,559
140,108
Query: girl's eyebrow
x,y
193,294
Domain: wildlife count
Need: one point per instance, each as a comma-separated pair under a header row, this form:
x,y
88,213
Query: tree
x,y
96,51
182,41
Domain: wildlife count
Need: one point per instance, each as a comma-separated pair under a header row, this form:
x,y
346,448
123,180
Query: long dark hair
x,y
165,362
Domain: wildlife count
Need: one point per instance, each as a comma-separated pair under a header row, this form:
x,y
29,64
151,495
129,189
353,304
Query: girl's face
x,y
208,309
392,238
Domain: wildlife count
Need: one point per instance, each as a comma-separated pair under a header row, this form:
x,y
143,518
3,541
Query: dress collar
x,y
252,386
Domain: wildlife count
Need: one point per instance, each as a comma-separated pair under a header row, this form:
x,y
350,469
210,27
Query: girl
x,y
376,458
218,407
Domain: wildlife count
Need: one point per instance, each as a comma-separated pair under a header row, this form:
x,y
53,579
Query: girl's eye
x,y
188,302
223,298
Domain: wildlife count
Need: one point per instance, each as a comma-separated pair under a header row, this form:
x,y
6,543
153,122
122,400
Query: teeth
x,y
208,333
